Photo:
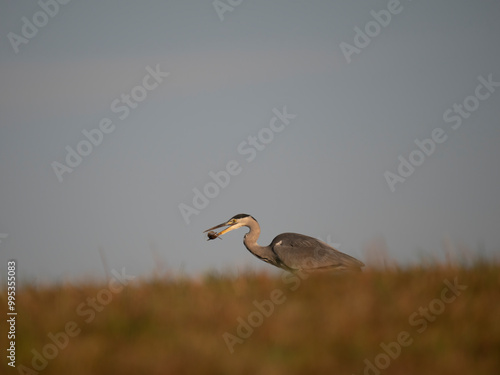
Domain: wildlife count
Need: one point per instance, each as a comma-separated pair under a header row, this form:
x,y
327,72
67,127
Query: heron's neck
x,y
250,241
252,236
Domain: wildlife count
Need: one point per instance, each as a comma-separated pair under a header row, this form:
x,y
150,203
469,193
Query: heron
x,y
292,252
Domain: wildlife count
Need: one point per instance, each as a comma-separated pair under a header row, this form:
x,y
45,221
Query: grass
x,y
319,324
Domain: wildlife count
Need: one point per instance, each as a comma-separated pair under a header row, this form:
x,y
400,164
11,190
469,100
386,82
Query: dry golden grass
x,y
322,324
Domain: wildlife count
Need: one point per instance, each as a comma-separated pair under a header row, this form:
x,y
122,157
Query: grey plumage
x,y
291,251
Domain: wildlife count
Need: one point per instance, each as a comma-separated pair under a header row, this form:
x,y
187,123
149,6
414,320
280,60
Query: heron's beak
x,y
228,229
218,226
228,223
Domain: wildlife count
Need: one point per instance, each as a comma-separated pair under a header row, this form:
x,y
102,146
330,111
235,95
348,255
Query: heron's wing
x,y
300,252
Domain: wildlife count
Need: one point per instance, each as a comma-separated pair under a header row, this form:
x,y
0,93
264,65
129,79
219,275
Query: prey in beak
x,y
212,235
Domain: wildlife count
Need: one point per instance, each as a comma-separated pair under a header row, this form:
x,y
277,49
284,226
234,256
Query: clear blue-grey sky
x,y
363,95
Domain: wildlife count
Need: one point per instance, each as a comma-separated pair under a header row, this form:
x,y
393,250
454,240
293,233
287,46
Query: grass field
x,y
435,319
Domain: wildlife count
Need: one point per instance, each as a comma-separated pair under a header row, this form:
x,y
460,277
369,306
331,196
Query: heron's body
x,y
292,251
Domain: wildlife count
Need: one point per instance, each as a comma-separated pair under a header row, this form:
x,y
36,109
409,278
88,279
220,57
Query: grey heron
x,y
290,251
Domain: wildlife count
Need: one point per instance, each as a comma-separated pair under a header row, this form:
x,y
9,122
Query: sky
x,y
129,128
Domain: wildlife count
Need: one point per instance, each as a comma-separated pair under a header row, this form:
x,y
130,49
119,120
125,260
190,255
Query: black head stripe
x,y
241,216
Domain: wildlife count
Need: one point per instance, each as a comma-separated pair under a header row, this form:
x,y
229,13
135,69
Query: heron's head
x,y
237,221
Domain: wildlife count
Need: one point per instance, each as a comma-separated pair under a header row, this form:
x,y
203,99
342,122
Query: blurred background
x,y
66,68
